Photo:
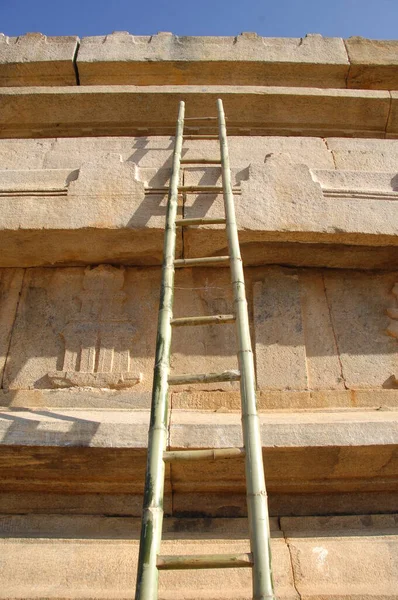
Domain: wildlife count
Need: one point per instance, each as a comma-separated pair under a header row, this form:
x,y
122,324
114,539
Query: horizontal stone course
x,y
373,63
249,59
36,59
87,200
123,58
60,556
152,110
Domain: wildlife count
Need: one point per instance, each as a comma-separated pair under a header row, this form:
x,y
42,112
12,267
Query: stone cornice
x,y
163,59
151,110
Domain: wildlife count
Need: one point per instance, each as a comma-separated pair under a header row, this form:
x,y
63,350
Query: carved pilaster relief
x,y
393,314
99,338
392,329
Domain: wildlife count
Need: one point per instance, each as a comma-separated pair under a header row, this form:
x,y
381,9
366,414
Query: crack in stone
x,y
334,332
12,327
290,558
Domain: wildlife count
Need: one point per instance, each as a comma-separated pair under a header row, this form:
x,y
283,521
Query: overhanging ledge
x,y
151,110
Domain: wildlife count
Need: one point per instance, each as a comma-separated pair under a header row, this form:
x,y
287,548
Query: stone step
x,y
104,451
85,557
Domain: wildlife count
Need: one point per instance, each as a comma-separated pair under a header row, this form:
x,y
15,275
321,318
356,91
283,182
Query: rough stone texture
x,y
324,331
373,63
90,327
392,126
352,557
87,327
152,110
78,342
103,207
290,352
364,155
10,288
35,59
350,451
329,558
83,558
249,59
104,196
373,362
295,203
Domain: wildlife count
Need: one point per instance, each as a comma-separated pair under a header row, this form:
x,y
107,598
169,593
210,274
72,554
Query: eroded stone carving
x,y
392,329
98,340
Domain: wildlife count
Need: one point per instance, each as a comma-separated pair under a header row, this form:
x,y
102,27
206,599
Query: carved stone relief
x,y
392,329
98,340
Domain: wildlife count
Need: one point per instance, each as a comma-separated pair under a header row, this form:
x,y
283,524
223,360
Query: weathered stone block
x,y
96,327
152,110
122,58
35,59
358,307
373,63
343,557
364,155
303,452
296,204
295,345
10,289
99,558
325,331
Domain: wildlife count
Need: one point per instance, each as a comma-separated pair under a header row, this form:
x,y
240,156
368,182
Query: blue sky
x,y
280,18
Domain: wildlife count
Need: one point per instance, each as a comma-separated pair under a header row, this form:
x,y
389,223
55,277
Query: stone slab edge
x,y
35,59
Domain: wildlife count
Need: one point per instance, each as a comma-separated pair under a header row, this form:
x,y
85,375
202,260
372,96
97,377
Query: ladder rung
x,y
204,561
200,188
210,320
201,119
204,377
212,454
197,262
200,221
200,161
193,189
200,137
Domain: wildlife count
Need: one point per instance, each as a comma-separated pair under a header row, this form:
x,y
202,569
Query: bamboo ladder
x,y
259,559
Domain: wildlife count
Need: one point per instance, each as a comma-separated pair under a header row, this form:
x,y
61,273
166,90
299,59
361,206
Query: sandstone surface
x,y
122,58
36,59
373,63
36,112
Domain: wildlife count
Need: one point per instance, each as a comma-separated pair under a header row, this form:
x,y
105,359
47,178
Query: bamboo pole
x,y
204,561
210,320
210,454
199,221
255,484
232,375
206,261
152,520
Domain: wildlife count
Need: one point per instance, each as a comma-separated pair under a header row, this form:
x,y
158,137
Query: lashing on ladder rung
x,y
208,454
204,561
232,375
198,262
200,221
210,320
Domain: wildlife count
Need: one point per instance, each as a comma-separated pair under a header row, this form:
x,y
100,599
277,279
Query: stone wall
x,y
85,153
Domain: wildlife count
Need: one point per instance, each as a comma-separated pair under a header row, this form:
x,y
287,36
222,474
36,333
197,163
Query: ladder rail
x,y
257,506
150,561
152,519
